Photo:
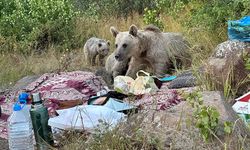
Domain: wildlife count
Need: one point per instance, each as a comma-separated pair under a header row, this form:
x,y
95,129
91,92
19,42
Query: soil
x,y
4,144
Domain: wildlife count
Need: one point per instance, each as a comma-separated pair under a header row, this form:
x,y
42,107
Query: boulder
x,y
176,125
22,83
210,98
227,66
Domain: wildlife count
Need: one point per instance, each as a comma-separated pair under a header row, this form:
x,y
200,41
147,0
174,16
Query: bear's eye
x,y
116,45
99,45
124,45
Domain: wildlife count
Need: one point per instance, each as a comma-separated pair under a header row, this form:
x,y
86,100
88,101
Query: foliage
x,y
37,24
228,126
207,117
207,15
195,100
27,20
247,61
207,121
217,13
152,17
107,8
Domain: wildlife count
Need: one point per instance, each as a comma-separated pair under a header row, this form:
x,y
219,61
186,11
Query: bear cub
x,y
96,47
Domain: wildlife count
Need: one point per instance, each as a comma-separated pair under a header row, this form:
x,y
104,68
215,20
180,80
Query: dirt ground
x,y
3,144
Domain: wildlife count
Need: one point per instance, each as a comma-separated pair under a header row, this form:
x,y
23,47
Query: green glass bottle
x,y
39,116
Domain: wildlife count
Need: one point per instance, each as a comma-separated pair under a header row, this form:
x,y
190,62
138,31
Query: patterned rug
x,y
77,85
164,99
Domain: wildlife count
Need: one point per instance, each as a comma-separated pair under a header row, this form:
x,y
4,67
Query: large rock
x,y
210,98
22,83
176,125
230,49
227,66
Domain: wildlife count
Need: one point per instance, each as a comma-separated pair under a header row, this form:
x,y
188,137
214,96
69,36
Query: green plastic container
x,y
39,116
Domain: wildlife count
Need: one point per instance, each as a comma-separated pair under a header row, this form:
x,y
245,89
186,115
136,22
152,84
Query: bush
x,y
108,8
36,24
24,19
152,16
208,15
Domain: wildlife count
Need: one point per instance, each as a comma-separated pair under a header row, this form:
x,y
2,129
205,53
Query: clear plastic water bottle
x,y
20,133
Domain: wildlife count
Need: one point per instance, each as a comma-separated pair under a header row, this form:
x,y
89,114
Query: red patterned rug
x,y
77,85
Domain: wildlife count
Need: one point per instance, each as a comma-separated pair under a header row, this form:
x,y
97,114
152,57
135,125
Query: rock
x,y
4,144
226,65
210,98
176,125
22,83
229,49
216,99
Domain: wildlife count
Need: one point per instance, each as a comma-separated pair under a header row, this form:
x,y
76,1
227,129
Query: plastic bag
x,y
85,117
143,84
123,84
239,29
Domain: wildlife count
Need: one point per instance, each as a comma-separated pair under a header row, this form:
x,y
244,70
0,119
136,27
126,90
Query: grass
x,y
153,130
124,136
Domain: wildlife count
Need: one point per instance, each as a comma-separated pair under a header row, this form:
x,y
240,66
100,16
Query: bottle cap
x,y
23,97
17,107
36,98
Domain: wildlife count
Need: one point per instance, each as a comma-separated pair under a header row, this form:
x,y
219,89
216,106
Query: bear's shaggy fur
x,y
112,69
96,47
115,67
107,77
152,48
152,28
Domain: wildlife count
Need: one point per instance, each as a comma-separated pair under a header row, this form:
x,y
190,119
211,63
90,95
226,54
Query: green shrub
x,y
107,8
207,117
208,15
152,16
24,19
246,58
36,24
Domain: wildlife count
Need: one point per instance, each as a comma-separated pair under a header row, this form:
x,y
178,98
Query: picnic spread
x,y
70,89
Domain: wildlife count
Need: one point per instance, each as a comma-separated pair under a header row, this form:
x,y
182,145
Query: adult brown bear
x,y
152,48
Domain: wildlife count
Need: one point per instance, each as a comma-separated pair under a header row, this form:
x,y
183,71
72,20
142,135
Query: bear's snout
x,y
105,51
117,57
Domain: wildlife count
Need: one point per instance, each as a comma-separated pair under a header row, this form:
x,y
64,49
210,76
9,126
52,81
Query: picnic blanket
x,y
164,99
54,87
79,85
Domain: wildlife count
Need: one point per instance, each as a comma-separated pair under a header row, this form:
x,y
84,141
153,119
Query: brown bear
x,y
152,48
96,47
115,67
112,69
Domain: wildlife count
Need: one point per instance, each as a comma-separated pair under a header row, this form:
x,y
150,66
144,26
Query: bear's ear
x,y
114,31
108,42
133,30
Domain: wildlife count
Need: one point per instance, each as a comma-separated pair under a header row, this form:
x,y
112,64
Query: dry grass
x,y
152,131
